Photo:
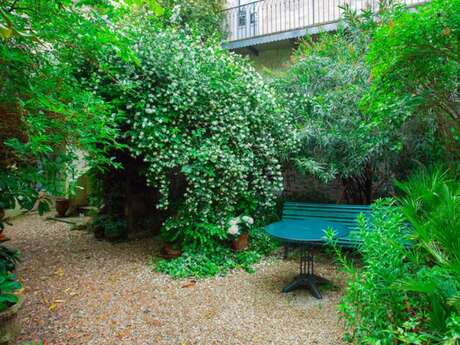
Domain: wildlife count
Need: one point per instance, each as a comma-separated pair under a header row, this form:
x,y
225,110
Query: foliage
x,y
372,304
323,90
197,112
8,285
8,259
46,51
218,258
202,17
407,288
8,281
431,203
112,227
415,60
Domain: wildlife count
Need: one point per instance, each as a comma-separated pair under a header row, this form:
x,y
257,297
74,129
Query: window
x,y
252,18
242,17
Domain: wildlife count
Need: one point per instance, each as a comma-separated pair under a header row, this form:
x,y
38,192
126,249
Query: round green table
x,y
305,234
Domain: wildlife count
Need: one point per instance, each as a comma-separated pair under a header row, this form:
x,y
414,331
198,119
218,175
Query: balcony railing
x,y
268,17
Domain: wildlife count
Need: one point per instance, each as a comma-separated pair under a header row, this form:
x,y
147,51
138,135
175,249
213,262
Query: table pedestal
x,y
307,278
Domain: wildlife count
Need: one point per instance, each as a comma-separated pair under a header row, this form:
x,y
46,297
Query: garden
x,y
144,178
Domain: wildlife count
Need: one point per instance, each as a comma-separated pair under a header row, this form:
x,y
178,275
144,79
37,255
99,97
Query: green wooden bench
x,y
341,214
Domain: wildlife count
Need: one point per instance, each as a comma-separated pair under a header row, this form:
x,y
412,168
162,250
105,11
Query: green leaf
x,y
5,32
9,298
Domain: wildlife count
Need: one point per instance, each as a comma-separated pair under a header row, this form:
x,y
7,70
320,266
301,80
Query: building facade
x,y
268,30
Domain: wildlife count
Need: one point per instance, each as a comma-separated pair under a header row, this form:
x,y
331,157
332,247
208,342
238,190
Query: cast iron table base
x,y
307,278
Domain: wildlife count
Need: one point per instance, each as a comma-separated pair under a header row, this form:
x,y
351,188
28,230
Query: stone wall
x,y
298,187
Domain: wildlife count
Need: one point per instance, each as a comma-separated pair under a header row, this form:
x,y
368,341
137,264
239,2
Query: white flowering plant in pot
x,y
239,226
238,231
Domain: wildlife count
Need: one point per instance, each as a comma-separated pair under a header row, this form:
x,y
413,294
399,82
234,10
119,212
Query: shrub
x,y
47,114
415,61
407,289
197,112
112,228
338,138
372,307
8,286
431,203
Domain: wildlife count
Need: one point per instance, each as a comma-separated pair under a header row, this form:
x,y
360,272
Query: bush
x,y
47,115
415,61
431,203
110,227
372,306
338,138
8,286
198,113
407,290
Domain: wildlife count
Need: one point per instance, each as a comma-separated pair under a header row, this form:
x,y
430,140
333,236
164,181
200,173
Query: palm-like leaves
x,y
431,203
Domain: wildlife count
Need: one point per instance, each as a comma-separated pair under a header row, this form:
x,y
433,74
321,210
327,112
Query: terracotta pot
x,y
168,252
9,324
62,205
241,242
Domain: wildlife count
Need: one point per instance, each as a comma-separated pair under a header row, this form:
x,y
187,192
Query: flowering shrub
x,y
204,114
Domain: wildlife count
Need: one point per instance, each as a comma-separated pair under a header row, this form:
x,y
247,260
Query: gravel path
x,y
82,291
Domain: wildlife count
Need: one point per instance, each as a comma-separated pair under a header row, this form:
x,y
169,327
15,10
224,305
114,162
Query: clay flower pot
x,y
9,325
241,242
62,205
168,252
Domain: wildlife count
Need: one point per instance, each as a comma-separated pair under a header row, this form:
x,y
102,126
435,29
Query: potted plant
x,y
169,251
63,202
62,205
10,303
239,232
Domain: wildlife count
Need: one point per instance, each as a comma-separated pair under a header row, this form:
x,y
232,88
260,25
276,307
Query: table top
x,y
304,231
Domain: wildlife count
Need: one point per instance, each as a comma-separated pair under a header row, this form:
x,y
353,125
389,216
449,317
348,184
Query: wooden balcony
x,y
264,21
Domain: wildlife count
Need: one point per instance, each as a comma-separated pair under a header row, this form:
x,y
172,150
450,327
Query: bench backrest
x,y
342,214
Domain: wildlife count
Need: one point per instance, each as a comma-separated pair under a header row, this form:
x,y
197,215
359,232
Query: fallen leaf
x,y
59,272
189,284
152,322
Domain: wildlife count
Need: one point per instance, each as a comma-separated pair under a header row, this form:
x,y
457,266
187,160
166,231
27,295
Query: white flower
x,y
235,221
233,230
248,220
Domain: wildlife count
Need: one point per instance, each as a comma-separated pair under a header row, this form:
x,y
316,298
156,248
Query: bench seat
x,y
341,214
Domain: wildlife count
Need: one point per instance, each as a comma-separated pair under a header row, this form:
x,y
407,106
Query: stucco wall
x,y
270,58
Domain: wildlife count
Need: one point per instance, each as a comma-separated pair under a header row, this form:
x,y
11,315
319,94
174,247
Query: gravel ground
x,y
82,291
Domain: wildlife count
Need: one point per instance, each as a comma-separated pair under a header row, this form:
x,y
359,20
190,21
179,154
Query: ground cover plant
x,y
219,258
